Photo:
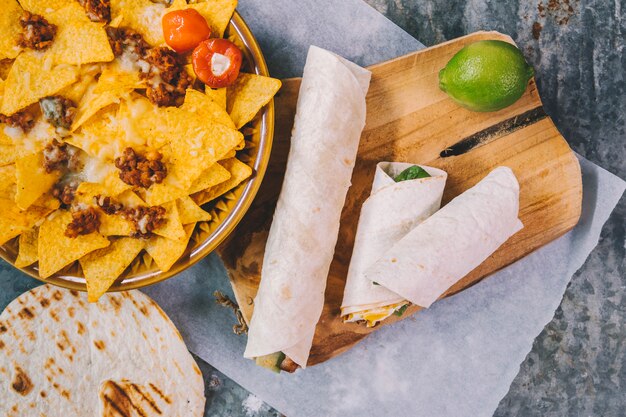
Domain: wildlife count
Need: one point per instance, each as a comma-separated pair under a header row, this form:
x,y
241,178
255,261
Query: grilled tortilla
x,y
121,357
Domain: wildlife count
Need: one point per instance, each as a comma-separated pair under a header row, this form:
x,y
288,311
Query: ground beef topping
x,y
65,193
145,219
107,204
37,33
97,10
83,222
167,79
55,156
22,119
58,111
141,171
127,40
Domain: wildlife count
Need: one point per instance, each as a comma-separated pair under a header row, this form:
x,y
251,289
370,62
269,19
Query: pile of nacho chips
x,y
199,141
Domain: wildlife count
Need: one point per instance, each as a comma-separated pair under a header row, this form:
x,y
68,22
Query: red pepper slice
x,y
184,29
216,62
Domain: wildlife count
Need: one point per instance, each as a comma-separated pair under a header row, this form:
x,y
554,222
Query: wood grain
x,y
410,120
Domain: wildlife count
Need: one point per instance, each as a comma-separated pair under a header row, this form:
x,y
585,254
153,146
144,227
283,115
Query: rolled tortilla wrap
x,y
453,241
329,119
392,210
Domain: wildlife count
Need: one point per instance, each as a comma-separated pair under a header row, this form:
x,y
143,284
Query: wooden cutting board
x,y
410,120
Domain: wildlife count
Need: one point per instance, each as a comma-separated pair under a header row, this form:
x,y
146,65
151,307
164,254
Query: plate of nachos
x,y
133,136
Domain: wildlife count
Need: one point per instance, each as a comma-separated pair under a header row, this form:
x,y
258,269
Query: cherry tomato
x,y
216,62
184,29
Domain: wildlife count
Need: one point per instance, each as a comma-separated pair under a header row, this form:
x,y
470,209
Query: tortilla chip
x,y
204,106
159,194
114,225
173,228
46,8
114,77
218,96
77,90
248,94
210,177
7,176
5,67
165,252
103,266
92,103
27,254
196,144
10,29
32,179
87,191
190,212
14,221
56,251
142,15
239,172
130,199
78,40
216,12
8,154
229,155
30,79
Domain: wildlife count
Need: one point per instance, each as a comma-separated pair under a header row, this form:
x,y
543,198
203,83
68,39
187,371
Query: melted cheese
x,y
375,315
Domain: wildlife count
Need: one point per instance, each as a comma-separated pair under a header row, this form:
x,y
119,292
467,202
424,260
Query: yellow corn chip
x,y
114,77
32,179
55,250
46,8
239,172
78,43
196,144
27,254
114,225
205,107
5,67
216,174
14,221
130,199
92,103
190,212
173,228
7,182
8,154
159,194
166,252
87,191
142,15
4,139
76,91
218,96
116,22
103,266
10,29
216,12
248,95
30,79
7,176
229,155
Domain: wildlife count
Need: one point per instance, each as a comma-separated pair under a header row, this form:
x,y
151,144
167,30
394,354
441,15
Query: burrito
x,y
396,205
329,120
452,242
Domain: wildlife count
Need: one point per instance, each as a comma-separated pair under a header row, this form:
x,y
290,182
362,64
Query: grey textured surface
x,y
578,364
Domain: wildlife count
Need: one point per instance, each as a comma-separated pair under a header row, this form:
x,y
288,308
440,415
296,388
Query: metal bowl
x,y
226,211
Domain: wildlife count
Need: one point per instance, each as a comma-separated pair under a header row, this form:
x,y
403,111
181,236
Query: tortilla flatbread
x,y
62,356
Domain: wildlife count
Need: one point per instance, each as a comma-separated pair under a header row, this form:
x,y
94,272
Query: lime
x,y
486,76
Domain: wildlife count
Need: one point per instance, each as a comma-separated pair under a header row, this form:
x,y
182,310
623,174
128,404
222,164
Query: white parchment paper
x,y
457,358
